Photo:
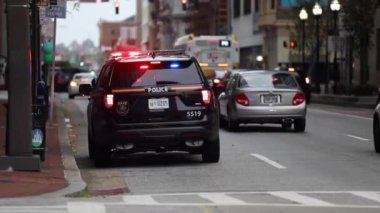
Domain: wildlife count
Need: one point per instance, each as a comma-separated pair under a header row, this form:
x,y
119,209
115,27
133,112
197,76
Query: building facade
x,y
110,33
244,21
172,22
276,23
374,54
3,42
143,20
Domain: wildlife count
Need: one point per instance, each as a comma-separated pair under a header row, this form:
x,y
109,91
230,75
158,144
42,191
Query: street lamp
x,y
335,7
303,17
317,12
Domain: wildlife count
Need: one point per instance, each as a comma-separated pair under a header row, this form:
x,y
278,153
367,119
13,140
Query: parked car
x,y
79,79
376,129
63,76
263,97
159,101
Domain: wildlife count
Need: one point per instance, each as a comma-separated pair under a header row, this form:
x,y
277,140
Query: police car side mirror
x,y
85,89
211,83
93,83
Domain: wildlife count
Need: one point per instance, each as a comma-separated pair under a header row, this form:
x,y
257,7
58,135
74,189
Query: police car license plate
x,y
161,103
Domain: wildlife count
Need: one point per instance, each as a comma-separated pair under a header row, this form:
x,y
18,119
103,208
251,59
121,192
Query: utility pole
x,y
19,155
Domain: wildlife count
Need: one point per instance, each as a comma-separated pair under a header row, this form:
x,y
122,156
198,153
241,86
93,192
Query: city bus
x,y
215,54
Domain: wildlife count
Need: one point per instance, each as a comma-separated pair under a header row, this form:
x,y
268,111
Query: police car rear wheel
x,y
211,151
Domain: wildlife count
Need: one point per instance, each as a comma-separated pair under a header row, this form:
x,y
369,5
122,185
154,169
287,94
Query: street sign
x,y
57,11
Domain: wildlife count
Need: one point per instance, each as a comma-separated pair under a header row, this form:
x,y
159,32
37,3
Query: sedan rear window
x,y
268,81
142,74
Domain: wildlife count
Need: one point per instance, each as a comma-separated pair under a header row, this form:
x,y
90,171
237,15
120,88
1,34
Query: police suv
x,y
155,101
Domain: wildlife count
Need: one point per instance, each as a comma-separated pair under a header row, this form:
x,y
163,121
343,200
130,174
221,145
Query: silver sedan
x,y
263,97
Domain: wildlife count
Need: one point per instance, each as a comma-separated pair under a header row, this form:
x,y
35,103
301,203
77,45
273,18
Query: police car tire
x,y
102,156
376,135
211,151
90,147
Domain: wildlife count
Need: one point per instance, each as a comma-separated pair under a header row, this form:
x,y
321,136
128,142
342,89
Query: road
x,y
262,168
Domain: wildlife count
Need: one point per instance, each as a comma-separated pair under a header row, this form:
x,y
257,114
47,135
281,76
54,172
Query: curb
x,y
71,170
365,102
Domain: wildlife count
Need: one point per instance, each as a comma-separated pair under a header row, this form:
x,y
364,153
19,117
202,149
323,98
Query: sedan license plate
x,y
161,103
270,99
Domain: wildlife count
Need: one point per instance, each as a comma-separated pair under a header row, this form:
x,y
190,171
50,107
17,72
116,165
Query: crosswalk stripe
x,y
32,211
220,198
301,199
368,195
139,200
86,207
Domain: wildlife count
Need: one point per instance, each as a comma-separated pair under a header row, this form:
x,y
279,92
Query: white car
x,y
78,79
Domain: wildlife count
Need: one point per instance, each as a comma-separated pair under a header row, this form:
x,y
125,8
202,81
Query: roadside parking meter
x,y
41,93
39,122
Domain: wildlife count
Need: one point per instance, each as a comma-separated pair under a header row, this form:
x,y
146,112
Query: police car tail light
x,y
134,53
242,99
108,101
206,96
298,99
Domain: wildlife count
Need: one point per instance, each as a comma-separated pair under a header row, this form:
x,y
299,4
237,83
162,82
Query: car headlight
x,y
307,80
73,84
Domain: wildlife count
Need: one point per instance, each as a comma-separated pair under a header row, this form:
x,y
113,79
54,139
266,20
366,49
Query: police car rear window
x,y
156,73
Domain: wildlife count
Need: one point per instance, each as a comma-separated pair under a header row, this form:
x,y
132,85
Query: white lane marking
x,y
139,200
340,114
301,199
357,137
368,195
268,161
32,211
86,207
221,198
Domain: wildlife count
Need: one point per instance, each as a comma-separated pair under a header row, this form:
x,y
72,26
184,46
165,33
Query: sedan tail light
x,y
206,96
298,99
108,101
242,99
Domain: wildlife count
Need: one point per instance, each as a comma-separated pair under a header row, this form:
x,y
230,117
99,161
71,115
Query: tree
x,y
358,20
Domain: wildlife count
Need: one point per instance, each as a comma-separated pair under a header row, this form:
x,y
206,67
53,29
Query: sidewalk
x,y
49,179
368,102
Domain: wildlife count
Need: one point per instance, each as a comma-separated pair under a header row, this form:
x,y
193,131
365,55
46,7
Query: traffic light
x,y
48,49
184,4
117,5
293,44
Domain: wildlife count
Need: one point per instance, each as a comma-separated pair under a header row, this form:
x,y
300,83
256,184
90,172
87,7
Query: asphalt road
x,y
262,168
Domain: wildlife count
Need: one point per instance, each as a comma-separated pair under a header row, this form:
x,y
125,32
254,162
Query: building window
x,y
378,49
257,5
236,8
273,4
247,7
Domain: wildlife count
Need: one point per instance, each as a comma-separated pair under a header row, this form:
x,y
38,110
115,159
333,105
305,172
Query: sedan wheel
x,y
376,135
300,125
